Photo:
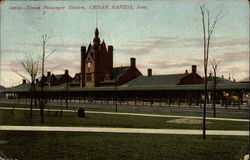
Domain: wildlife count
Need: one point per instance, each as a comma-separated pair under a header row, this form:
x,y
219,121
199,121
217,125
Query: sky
x,y
165,35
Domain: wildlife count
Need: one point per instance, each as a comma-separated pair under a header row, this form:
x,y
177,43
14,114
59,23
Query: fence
x,y
161,102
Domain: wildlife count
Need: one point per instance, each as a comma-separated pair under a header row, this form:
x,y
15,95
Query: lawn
x,y
93,146
104,120
176,111
109,146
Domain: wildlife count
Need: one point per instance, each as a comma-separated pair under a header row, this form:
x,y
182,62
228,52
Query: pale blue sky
x,y
165,37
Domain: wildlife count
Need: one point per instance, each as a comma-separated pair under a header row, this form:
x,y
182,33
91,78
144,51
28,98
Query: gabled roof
x,y
156,80
2,88
115,74
247,79
103,45
89,47
25,87
76,79
51,78
219,80
58,76
63,87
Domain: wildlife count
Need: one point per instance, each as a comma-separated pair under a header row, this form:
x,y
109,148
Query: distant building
x,y
53,80
98,79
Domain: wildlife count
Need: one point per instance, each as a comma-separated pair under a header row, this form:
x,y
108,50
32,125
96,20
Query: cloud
x,y
153,44
55,45
161,37
69,51
59,64
8,65
234,57
235,53
148,46
168,64
194,60
66,45
12,51
221,43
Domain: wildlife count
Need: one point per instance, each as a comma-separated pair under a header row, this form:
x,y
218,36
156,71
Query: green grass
x,y
104,120
88,108
109,146
94,146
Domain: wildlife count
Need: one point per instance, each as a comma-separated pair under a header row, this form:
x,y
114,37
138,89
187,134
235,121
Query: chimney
x,y
132,62
110,51
66,72
149,72
24,81
82,69
48,74
222,76
210,74
186,71
37,80
193,68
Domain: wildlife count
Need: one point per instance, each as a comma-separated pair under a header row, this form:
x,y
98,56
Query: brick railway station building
x,y
98,79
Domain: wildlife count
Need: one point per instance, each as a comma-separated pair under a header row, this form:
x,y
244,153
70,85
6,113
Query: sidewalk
x,y
124,130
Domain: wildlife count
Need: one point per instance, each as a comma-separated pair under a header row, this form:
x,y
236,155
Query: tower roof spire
x,y
96,39
96,33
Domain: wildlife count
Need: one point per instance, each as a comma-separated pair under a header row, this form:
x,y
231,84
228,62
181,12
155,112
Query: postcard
x,y
124,79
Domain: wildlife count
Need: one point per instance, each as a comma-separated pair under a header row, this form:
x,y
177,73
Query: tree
x,y
207,34
30,66
214,64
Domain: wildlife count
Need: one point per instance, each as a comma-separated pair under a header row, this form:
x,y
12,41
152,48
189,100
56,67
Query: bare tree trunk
x,y
30,66
214,94
35,95
207,33
31,99
204,109
205,71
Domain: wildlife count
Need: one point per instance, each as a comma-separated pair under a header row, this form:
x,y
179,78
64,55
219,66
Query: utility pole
x,y
45,38
42,81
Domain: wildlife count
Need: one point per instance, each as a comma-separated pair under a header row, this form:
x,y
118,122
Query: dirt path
x,y
123,130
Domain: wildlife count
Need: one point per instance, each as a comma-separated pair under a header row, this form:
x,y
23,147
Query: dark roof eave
x,y
197,87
